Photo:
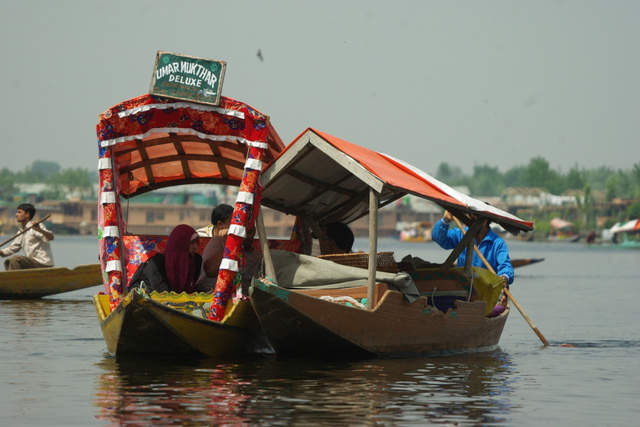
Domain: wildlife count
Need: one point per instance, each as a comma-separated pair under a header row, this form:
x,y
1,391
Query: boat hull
x,y
40,282
144,325
300,325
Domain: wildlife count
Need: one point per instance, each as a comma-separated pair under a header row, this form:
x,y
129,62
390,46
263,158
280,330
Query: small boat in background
x,y
625,235
41,282
563,231
525,261
419,231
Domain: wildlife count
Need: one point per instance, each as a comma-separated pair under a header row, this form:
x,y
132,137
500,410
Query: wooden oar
x,y
24,231
506,290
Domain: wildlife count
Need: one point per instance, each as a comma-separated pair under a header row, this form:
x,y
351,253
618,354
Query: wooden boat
x,y
318,324
521,262
148,143
176,325
626,235
439,311
41,282
419,231
563,231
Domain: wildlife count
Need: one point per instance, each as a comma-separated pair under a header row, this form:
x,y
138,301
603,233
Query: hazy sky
x,y
464,82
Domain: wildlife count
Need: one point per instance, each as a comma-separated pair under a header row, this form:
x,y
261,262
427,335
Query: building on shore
x,y
158,215
159,211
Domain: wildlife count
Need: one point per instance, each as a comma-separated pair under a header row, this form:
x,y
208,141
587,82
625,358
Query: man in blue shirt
x,y
492,246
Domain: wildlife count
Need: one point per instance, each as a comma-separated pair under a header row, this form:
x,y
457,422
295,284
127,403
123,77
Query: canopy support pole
x,y
464,243
270,270
373,246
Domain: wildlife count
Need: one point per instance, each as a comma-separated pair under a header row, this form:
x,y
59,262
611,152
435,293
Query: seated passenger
x,y
213,252
251,268
174,270
336,238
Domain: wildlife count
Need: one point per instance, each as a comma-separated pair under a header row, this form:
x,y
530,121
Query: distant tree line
x,y
486,181
61,181
489,181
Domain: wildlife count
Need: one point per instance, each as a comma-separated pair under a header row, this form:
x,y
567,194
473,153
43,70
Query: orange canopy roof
x,y
328,179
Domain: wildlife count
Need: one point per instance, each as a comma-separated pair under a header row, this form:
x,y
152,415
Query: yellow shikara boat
x,y
149,143
176,324
40,282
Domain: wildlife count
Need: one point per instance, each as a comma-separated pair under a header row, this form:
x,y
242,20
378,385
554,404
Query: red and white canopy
x,y
633,225
156,142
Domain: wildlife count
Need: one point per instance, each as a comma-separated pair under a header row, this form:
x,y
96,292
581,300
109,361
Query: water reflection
x,y
462,390
25,314
20,315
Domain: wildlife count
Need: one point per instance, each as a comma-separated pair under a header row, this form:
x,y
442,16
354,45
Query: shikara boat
x,y
41,282
521,262
563,231
148,143
626,235
419,231
308,309
171,324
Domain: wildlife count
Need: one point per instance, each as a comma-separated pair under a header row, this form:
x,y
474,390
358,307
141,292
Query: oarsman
x,y
34,242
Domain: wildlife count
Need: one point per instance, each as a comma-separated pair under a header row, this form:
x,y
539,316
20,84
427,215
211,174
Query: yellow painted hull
x,y
41,282
162,325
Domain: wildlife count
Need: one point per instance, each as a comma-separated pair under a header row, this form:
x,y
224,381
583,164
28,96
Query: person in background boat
x,y
177,269
492,246
213,252
336,238
35,243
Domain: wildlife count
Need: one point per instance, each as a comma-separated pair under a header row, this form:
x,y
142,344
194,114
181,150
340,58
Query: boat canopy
x,y
561,225
150,142
159,142
633,225
327,179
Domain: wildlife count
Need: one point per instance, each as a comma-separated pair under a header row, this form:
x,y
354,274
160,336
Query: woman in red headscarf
x,y
176,269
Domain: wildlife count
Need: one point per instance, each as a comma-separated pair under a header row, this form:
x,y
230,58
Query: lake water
x,y
56,371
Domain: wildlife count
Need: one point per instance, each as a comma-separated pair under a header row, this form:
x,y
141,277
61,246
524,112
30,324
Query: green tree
x,y
575,179
516,177
449,174
633,211
486,181
538,172
612,187
28,176
45,169
587,208
598,177
635,179
39,171
7,185
73,180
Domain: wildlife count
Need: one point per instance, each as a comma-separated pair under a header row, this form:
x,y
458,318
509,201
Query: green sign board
x,y
188,78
